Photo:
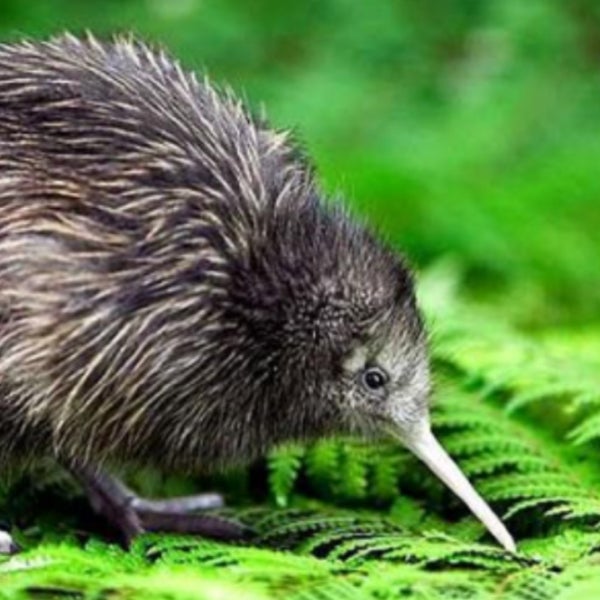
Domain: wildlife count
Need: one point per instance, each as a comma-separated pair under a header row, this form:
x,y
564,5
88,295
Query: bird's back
x,y
116,119
129,194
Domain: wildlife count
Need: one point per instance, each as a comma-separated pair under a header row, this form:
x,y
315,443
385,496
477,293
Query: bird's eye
x,y
374,379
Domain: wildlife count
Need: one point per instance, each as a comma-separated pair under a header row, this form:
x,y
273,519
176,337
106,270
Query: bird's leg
x,y
133,515
111,499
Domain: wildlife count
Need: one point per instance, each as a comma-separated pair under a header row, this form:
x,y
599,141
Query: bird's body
x,y
173,287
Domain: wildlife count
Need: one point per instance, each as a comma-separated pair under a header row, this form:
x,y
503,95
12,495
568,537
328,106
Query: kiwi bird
x,y
176,291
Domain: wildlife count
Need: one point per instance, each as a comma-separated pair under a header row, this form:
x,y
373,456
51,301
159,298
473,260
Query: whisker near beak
x,y
425,447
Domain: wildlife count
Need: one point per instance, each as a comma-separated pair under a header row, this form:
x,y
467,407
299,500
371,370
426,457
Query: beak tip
x,y
424,445
508,543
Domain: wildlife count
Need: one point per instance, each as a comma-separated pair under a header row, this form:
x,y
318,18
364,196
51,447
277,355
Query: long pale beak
x,y
424,445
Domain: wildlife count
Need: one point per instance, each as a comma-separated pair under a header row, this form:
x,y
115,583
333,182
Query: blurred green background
x,y
467,130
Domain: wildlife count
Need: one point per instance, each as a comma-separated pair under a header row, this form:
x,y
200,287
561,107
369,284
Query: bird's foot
x,y
132,515
7,544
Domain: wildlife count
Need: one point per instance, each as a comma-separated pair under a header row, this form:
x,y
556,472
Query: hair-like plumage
x,y
173,288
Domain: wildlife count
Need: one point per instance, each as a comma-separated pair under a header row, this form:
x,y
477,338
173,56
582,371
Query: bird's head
x,y
383,381
384,388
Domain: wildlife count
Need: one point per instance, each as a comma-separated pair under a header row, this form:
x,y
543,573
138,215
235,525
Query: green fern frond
x,y
322,460
353,472
588,430
515,464
489,354
284,466
385,474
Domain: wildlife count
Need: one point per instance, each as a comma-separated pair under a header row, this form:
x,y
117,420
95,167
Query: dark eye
x,y
374,378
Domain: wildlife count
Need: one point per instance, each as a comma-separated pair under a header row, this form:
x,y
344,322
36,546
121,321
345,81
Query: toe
x,y
210,526
183,505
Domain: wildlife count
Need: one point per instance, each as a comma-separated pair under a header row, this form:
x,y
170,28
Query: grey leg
x,y
132,515
111,499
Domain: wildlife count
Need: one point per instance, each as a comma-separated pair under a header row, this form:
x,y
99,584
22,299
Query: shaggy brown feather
x,y
173,288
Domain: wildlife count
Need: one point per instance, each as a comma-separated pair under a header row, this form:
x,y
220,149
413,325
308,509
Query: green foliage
x,y
469,133
562,372
283,469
